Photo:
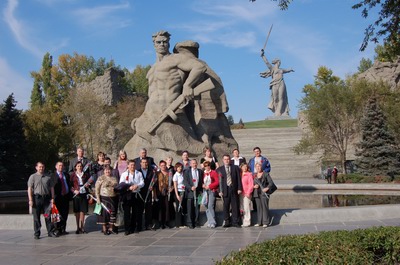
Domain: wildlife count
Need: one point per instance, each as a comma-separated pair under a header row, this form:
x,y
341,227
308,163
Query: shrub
x,y
359,178
363,246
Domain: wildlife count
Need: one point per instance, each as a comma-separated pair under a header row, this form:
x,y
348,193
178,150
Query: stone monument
x,y
186,106
278,104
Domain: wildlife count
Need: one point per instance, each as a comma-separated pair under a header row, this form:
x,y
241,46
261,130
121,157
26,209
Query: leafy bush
x,y
378,245
359,178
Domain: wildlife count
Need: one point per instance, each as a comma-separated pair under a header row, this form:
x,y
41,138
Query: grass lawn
x,y
271,124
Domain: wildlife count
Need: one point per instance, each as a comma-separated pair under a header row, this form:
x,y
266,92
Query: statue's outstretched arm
x,y
287,70
266,60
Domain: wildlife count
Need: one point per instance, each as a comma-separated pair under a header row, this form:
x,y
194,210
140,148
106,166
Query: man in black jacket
x,y
143,155
62,196
193,182
230,184
147,207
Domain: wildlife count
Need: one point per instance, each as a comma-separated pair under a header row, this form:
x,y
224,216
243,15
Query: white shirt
x,y
178,177
133,179
195,176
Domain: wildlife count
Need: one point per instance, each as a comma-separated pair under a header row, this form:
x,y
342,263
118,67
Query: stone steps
x,y
277,145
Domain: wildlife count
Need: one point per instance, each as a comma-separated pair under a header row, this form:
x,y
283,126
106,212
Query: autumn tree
x,y
13,153
332,114
377,151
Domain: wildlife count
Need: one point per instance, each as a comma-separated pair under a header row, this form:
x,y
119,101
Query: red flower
x,y
194,180
183,187
127,177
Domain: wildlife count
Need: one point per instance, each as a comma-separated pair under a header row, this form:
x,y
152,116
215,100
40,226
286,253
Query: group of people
x,y
165,195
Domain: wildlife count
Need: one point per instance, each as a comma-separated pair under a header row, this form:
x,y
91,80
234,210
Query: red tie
x,y
63,188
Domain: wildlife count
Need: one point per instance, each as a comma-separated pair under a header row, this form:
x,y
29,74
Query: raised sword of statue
x,y
266,41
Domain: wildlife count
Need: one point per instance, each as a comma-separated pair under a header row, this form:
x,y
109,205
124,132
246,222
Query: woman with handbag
x,y
210,186
80,201
262,184
107,197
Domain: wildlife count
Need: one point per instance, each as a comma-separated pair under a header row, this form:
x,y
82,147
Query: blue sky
x,y
311,33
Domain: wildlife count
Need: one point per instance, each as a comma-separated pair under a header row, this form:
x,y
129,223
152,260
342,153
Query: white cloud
x,y
17,28
102,16
12,82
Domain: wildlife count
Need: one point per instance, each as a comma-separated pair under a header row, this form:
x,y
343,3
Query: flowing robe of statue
x,y
198,122
279,103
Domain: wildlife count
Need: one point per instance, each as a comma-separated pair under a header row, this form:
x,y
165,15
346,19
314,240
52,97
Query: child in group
x,y
245,198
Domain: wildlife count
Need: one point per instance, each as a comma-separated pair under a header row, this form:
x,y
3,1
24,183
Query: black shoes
x,y
52,234
37,237
227,225
237,225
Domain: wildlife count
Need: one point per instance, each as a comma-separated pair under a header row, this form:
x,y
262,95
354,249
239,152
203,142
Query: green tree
x,y
231,121
383,53
47,135
13,153
387,25
377,151
365,64
37,99
331,112
136,82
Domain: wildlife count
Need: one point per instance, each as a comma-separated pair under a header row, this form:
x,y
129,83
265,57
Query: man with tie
x,y
230,188
193,182
62,196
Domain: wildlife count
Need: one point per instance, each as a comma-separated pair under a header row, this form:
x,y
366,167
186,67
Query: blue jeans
x,y
210,212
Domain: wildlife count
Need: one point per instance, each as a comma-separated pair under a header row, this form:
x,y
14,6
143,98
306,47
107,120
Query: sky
x,y
231,33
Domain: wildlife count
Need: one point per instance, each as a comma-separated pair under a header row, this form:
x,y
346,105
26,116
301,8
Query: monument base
x,y
278,118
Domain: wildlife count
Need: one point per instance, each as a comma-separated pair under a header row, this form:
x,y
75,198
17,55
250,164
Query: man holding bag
x,y
41,194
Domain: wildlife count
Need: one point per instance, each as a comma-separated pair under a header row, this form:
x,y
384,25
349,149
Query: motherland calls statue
x,y
278,104
186,105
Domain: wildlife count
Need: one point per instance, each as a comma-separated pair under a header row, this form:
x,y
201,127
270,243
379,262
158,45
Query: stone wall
x,y
106,86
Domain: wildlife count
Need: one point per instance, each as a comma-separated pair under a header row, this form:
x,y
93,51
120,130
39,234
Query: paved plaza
x,y
168,246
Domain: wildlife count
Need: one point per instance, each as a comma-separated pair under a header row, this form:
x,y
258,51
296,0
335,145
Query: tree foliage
x,y
13,153
136,81
47,134
377,151
365,64
332,112
387,25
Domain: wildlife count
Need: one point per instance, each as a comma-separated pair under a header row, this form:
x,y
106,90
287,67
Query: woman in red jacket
x,y
210,186
80,202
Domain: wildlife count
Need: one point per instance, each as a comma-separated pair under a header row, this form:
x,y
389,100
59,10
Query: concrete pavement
x,y
184,246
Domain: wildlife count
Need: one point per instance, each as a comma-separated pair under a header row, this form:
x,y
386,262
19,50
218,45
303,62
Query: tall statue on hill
x,y
279,103
186,105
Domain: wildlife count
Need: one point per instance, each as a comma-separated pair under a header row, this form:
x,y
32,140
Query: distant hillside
x,y
271,124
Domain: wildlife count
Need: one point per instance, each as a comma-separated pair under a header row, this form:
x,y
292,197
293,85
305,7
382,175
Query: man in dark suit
x,y
147,207
193,182
62,196
230,184
143,155
80,157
